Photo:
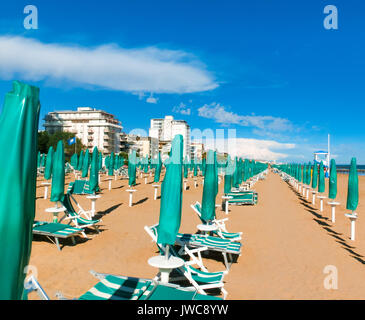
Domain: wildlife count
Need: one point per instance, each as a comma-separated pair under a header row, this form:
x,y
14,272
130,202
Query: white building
x,y
197,150
144,146
93,127
165,130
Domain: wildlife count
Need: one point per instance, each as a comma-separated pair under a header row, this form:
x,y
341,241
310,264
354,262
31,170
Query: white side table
x,y
46,185
321,205
352,216
165,265
56,211
131,196
227,201
156,186
93,199
206,228
333,205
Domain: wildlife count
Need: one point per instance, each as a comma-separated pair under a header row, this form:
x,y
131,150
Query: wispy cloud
x,y
151,99
182,109
108,66
251,148
262,124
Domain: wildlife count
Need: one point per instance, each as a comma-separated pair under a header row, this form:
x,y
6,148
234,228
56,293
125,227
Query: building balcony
x,y
90,130
106,137
90,144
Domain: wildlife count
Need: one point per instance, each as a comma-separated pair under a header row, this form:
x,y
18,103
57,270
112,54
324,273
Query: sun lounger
x,y
227,247
201,280
242,198
56,231
222,231
79,187
111,287
76,218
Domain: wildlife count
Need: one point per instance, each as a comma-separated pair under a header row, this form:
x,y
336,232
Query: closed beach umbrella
x,y
195,168
228,176
85,164
315,176
158,169
209,189
332,193
81,160
171,195
186,167
132,164
74,161
43,160
48,169
321,182
94,172
111,165
18,136
39,159
353,187
58,174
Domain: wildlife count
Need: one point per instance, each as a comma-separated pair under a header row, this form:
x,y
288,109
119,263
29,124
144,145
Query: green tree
x,y
46,140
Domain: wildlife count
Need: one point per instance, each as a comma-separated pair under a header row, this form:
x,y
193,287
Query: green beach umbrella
x,y
209,189
18,136
321,182
171,195
48,169
158,169
332,190
58,174
74,161
94,172
315,176
85,164
100,164
186,167
39,159
43,160
132,164
228,176
353,187
111,165
81,160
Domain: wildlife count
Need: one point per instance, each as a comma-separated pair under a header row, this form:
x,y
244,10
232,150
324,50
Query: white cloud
x,y
151,99
251,148
108,66
219,114
182,109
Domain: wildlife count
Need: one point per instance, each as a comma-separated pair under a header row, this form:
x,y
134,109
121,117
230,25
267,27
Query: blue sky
x,y
269,69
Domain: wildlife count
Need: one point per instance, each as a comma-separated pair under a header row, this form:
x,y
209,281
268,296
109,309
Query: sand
x,y
287,243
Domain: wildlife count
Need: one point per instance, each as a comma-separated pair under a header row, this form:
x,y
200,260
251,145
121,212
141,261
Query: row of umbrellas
x,y
314,176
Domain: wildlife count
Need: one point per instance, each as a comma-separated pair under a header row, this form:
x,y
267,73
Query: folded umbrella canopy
x,y
132,165
332,190
228,176
321,182
158,169
94,172
81,160
209,189
39,159
85,164
111,165
186,167
58,174
74,161
49,160
171,195
315,176
18,172
353,187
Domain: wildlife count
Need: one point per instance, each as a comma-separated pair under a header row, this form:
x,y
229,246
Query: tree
x,y
46,140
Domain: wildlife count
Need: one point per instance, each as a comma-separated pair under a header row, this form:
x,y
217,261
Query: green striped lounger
x,y
225,246
240,198
56,231
127,288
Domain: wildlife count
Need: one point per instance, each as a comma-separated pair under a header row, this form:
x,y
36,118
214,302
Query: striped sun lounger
x,y
55,231
127,288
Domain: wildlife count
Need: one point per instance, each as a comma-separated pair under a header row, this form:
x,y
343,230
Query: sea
x,y
344,168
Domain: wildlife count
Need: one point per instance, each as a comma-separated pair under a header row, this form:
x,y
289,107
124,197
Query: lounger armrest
x,y
198,249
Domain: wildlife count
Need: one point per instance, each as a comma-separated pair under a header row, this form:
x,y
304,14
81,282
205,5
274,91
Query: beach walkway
x,y
287,246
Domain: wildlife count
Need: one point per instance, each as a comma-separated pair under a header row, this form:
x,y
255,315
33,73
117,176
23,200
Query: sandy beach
x,y
287,242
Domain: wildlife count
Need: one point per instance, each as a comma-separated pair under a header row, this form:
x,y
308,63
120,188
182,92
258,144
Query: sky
x,y
268,69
